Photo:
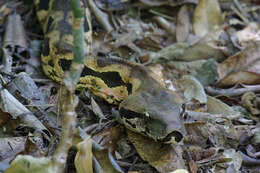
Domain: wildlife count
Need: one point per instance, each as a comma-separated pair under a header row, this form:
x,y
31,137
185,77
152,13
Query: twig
x,y
233,91
68,100
245,20
101,17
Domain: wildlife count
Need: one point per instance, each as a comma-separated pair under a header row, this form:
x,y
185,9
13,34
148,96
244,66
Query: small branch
x,y
233,91
68,100
79,49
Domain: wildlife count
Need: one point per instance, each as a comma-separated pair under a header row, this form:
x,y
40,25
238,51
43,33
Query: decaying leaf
x,y
163,157
185,52
243,67
207,17
216,106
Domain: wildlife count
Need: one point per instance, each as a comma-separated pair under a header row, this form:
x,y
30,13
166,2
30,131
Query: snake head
x,y
155,113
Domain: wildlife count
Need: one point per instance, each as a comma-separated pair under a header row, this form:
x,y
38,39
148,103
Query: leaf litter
x,y
216,42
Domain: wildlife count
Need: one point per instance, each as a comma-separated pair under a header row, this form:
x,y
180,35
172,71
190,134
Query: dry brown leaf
x,y
207,17
243,67
163,157
183,24
215,106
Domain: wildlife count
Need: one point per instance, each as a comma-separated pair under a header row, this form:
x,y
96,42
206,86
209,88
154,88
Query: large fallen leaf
x,y
163,157
207,17
243,67
185,52
215,106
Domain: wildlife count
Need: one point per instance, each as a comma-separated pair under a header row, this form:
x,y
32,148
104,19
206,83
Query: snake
x,y
145,105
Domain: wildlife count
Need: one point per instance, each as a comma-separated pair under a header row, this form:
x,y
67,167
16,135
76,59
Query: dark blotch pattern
x,y
50,62
44,4
111,79
177,135
46,47
128,114
49,23
65,64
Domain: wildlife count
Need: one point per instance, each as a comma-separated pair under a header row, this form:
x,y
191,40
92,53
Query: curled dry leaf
x,y
242,67
207,17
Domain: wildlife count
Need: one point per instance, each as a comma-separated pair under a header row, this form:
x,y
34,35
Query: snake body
x,y
145,105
